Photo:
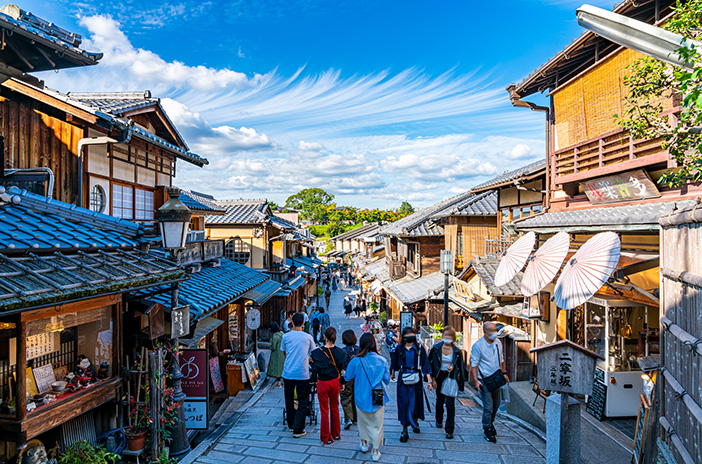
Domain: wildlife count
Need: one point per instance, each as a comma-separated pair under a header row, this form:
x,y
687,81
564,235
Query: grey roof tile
x,y
415,290
638,216
486,268
482,204
423,223
200,202
241,212
510,176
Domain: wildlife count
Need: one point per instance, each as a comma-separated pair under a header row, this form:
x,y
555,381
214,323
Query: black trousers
x,y
296,417
450,403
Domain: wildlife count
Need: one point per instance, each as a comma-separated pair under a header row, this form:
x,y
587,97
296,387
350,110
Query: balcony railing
x,y
612,152
396,269
496,248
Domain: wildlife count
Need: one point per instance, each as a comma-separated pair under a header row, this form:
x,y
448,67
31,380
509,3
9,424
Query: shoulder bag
x,y
377,394
330,356
497,378
411,378
450,385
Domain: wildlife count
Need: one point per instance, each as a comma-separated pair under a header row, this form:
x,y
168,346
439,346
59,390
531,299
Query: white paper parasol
x,y
587,270
514,259
545,263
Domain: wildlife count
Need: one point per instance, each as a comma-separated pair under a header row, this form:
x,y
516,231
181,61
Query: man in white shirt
x,y
486,358
297,346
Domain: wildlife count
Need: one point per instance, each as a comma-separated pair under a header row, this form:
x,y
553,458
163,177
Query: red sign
x,y
193,366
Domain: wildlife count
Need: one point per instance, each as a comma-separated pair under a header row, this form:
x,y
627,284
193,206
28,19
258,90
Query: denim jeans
x,y
491,403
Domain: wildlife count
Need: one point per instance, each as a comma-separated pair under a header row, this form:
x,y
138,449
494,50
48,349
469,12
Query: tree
x,y
405,209
335,228
310,203
273,206
651,82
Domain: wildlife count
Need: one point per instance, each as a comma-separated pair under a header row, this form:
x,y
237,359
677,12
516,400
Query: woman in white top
x,y
446,361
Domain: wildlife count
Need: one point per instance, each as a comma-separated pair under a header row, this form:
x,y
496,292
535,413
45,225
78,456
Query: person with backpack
x,y
348,309
327,296
369,371
328,363
297,346
316,324
348,402
324,320
411,363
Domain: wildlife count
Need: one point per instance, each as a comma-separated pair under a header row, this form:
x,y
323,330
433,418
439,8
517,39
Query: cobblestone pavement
x,y
259,436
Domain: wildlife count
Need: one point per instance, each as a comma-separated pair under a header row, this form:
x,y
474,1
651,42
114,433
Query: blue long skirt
x,y
410,403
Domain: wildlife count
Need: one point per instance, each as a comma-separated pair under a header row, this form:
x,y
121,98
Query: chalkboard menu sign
x,y
596,401
640,434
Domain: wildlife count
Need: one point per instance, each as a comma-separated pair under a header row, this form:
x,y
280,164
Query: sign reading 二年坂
x,y
566,367
625,186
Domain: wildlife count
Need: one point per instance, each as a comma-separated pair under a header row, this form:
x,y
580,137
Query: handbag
x,y
330,356
450,385
497,378
411,378
377,394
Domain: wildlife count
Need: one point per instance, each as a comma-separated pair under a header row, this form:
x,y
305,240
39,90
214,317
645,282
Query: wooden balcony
x,y
396,269
496,248
611,153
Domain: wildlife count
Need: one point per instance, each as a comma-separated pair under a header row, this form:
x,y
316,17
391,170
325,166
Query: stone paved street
x,y
259,436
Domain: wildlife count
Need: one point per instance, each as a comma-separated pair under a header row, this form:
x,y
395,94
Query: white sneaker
x,y
364,447
376,455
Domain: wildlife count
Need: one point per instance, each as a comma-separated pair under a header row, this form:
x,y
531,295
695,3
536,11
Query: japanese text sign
x,y
566,367
626,186
193,366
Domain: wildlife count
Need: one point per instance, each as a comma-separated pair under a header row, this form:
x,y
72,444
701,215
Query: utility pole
x,y
447,269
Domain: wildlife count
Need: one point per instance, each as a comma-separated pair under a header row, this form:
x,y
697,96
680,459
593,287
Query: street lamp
x,y
446,267
637,35
174,220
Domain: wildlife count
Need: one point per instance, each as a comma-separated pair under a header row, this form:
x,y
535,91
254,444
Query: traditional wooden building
x,y
600,179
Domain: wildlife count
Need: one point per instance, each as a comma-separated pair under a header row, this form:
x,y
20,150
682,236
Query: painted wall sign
x,y
626,186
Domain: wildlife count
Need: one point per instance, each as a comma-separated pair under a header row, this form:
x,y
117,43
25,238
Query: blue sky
x,y
375,101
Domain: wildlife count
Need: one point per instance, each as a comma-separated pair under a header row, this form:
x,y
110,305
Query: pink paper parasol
x,y
587,270
514,259
545,263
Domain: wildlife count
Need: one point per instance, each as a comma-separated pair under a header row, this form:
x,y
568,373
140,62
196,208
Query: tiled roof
x,y
357,232
263,292
200,202
240,212
377,269
295,283
281,223
481,204
35,39
486,268
423,223
116,103
30,221
213,287
509,177
638,216
412,291
33,280
309,262
122,124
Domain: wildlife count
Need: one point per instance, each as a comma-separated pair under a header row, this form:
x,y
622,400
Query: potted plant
x,y
141,426
83,453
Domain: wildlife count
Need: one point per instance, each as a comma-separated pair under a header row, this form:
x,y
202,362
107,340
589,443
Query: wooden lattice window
x,y
237,250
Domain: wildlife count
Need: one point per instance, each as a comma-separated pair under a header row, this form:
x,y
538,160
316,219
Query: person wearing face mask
x,y
410,361
487,361
446,361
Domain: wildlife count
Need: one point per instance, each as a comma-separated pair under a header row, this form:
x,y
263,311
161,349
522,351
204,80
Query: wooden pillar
x,y
21,367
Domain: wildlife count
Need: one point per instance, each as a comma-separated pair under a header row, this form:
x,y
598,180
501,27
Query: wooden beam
x,y
73,307
637,267
50,101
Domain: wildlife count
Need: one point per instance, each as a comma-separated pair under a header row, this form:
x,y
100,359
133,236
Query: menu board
x,y
215,375
252,371
596,401
44,377
640,434
234,328
41,344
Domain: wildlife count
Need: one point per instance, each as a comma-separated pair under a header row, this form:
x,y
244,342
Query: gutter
x,y
517,102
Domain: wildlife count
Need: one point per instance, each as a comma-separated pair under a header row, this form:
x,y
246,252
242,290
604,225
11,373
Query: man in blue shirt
x,y
297,346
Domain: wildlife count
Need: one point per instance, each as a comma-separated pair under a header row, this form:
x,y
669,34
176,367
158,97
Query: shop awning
x,y
295,283
412,291
634,217
204,326
376,287
263,292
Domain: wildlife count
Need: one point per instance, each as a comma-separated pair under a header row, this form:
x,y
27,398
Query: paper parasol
x,y
587,270
545,263
514,259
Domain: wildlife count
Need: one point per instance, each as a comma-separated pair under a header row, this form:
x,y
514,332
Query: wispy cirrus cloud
x,y
372,139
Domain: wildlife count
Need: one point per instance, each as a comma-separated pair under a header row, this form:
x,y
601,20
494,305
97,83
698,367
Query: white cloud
x,y
371,139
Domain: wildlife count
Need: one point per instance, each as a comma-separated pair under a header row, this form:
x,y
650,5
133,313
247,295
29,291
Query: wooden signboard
x,y
156,320
180,322
640,434
566,367
625,186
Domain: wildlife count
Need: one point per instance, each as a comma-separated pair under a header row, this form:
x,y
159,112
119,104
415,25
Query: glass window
x,y
526,212
516,214
505,215
536,209
237,250
144,205
122,201
98,199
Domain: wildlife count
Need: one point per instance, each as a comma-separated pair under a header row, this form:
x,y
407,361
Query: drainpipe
x,y
104,140
517,102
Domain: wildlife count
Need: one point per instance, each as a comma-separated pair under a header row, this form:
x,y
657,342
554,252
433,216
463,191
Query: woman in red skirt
x,y
328,363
